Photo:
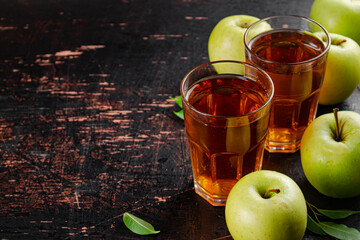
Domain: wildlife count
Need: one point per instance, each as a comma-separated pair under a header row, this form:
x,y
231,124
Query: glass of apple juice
x,y
293,51
226,112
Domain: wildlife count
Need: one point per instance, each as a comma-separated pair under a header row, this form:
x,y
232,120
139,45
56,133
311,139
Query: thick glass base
x,y
215,200
280,147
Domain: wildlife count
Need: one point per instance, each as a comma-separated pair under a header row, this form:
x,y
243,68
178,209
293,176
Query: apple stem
x,y
337,42
342,41
337,130
271,190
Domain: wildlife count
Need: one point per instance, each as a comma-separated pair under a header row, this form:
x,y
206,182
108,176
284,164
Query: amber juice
x,y
286,56
224,146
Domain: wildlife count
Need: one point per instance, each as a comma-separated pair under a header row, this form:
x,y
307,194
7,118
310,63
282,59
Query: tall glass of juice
x,y
226,111
293,52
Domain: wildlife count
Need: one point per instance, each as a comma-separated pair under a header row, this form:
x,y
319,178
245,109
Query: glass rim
x,y
327,47
267,102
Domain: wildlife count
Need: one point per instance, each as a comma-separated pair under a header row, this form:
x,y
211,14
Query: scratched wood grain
x,y
86,124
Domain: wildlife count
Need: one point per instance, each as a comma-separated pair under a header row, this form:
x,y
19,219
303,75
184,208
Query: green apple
x,y
330,155
266,205
342,74
338,16
226,41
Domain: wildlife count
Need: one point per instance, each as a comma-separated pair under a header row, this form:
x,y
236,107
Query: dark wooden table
x,y
86,124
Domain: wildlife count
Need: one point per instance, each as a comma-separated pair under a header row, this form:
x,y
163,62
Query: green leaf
x,y
180,114
177,100
137,225
337,214
313,226
340,231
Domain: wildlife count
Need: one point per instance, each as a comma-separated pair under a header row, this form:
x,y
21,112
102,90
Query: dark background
x,y
86,124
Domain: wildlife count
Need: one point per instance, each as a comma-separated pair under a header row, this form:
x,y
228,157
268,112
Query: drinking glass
x,y
226,112
293,51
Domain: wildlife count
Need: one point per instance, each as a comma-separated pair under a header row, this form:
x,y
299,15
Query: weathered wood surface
x,y
86,124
